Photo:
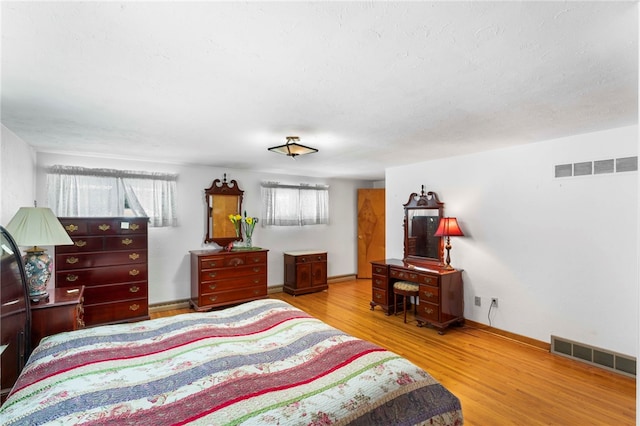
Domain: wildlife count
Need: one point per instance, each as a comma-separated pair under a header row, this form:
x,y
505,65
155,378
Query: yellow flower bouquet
x,y
249,224
236,219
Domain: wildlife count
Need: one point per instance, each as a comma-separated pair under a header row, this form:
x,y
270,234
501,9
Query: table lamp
x,y
34,226
448,227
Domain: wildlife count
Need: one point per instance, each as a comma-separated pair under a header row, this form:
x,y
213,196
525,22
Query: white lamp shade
x,y
34,226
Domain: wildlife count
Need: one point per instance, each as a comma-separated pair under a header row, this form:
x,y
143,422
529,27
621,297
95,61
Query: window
x,y
77,191
294,205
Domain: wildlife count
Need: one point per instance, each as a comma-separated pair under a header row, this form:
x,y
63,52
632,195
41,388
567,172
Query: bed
x,y
260,363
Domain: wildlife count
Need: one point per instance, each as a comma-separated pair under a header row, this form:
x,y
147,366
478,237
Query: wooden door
x,y
371,229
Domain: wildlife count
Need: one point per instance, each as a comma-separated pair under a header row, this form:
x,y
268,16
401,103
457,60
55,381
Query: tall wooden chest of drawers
x,y
220,278
109,258
305,272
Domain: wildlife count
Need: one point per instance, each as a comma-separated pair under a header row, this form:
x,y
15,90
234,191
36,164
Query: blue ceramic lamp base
x,y
38,267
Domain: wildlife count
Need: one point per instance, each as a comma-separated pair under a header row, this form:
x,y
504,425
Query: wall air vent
x,y
602,358
598,167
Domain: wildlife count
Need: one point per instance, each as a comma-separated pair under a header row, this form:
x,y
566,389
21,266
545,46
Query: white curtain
x,y
81,192
294,205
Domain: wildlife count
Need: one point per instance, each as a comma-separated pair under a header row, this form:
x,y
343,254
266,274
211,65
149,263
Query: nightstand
x,y
63,311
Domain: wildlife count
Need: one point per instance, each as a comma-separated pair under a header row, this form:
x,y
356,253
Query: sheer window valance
x,y
294,205
78,191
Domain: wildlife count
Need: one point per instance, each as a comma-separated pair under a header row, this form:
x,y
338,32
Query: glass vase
x,y
248,242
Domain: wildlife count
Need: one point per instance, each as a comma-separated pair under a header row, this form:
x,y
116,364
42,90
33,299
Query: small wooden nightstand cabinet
x,y
63,311
305,272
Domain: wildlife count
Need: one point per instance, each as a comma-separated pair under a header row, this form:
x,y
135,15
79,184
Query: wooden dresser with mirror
x,y
231,274
441,299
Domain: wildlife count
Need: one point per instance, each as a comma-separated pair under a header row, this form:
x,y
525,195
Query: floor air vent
x,y
603,358
599,167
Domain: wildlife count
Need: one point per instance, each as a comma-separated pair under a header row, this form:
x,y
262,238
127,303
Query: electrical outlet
x,y
494,301
478,301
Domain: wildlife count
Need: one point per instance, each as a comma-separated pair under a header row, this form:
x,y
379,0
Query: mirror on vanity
x,y
222,199
422,214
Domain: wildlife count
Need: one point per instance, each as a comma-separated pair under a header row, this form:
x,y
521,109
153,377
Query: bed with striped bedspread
x,y
260,363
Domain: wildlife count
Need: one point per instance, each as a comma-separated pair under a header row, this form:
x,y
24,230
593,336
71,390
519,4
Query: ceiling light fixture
x,y
292,148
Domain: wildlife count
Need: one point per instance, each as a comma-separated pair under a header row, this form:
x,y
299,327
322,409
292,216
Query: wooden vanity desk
x,y
441,298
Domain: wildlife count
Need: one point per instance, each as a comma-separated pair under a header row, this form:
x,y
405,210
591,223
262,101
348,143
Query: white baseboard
x,y
184,304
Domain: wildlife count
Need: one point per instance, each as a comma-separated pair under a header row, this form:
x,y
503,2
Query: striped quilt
x,y
260,363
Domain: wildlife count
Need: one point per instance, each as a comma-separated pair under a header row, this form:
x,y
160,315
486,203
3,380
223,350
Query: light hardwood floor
x,y
499,381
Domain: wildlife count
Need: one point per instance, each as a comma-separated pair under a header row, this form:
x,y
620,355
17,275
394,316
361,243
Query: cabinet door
x,y
303,275
318,273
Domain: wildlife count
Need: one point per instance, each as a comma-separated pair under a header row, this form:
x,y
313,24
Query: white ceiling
x,y
370,84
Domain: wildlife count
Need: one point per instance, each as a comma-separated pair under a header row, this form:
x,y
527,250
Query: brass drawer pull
x,y
134,289
127,241
134,307
134,226
134,256
256,269
81,243
104,227
212,286
212,274
256,281
427,294
134,272
71,227
72,260
256,292
378,296
213,264
71,278
213,298
428,310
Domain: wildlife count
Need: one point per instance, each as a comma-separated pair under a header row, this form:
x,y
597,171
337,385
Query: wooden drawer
x,y
125,242
82,244
115,292
233,296
104,275
315,257
74,226
211,262
92,260
121,311
216,262
223,273
380,270
232,283
429,294
429,311
380,296
379,281
415,277
117,226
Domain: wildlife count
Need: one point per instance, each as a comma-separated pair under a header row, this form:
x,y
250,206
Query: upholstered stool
x,y
405,289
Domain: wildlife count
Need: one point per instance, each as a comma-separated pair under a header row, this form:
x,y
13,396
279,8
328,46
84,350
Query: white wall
x,y
169,274
17,175
560,254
